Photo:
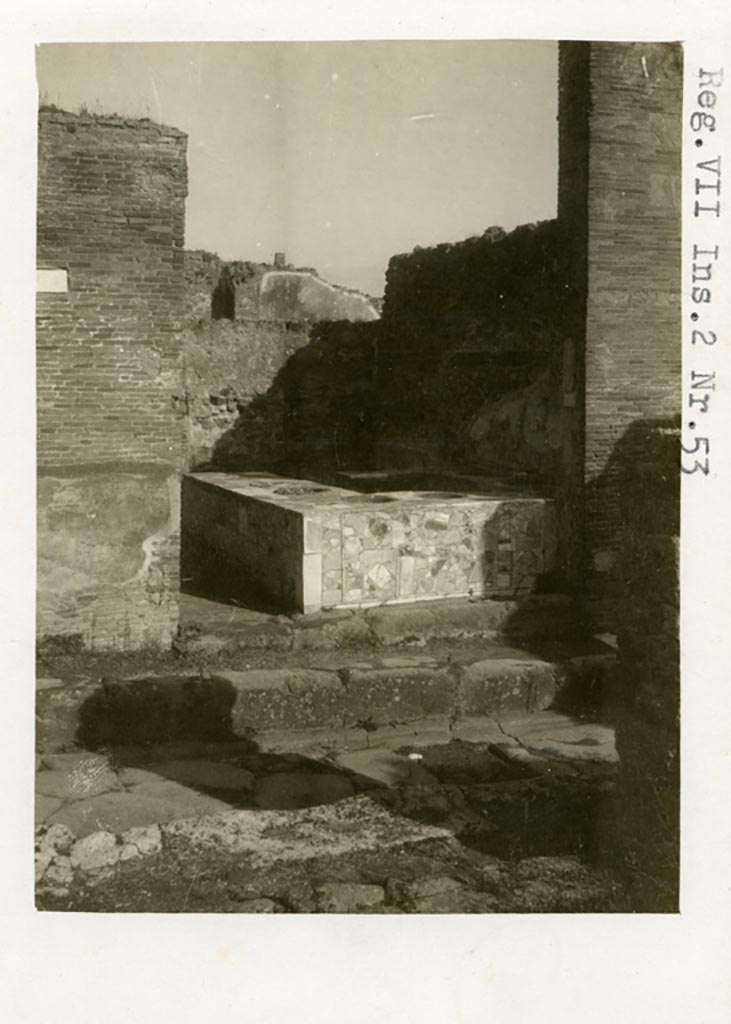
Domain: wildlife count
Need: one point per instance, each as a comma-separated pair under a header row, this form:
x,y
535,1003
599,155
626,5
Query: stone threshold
x,y
364,697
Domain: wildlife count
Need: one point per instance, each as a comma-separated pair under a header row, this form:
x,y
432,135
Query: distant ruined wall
x,y
316,415
263,392
619,213
111,195
469,356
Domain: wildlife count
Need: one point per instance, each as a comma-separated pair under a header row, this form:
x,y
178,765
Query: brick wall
x,y
111,211
111,195
619,211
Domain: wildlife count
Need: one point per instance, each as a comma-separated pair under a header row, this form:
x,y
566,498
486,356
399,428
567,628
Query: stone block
x,y
386,768
95,851
140,842
311,698
502,684
383,695
152,803
86,780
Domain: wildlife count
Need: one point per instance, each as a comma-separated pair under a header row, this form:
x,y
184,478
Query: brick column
x,y
620,219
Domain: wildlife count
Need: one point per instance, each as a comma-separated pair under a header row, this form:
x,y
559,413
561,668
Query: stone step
x,y
209,629
367,698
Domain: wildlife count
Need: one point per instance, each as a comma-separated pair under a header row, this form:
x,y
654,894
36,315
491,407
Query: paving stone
x,y
208,774
146,805
311,740
181,797
97,850
136,776
465,764
347,897
580,741
512,753
285,790
386,767
419,733
87,779
477,729
141,842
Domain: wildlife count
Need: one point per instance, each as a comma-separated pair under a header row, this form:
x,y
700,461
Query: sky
x,y
338,154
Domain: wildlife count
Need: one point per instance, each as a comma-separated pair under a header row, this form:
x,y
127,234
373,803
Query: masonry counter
x,y
302,546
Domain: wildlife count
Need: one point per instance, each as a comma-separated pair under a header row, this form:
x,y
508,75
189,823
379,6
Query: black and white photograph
x,y
367,453
358,477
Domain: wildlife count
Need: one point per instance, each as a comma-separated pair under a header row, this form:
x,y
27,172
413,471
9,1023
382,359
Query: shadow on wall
x,y
636,496
470,367
633,510
317,416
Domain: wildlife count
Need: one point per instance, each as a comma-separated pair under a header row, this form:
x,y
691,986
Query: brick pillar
x,y
620,218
